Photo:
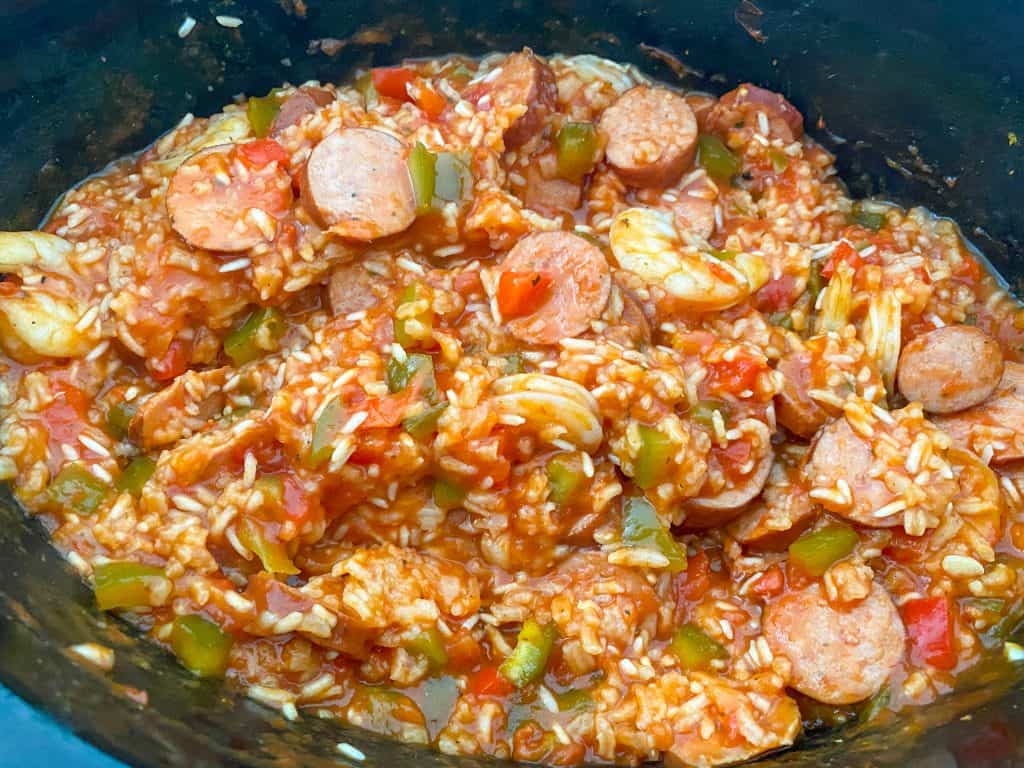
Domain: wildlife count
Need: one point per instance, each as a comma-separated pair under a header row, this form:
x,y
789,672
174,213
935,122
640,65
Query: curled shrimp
x,y
646,242
41,320
557,408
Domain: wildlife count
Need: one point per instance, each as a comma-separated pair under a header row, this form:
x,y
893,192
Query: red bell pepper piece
x,y
522,293
391,81
489,682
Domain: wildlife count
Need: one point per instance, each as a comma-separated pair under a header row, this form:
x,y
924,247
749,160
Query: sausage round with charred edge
x,y
357,183
996,424
950,369
221,201
839,655
794,407
298,105
350,289
579,291
524,80
651,136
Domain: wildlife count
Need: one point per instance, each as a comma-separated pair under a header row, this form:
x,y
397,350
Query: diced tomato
x,y
695,342
737,452
904,548
697,578
489,682
969,270
735,376
298,504
777,295
174,362
430,101
65,416
464,652
263,152
8,286
522,293
391,81
929,623
844,252
770,584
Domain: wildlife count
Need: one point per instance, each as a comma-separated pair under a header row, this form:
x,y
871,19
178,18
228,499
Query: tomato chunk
x,y
263,152
929,623
489,682
391,81
522,293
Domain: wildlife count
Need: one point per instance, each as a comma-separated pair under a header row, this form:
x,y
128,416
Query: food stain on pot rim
x,y
523,407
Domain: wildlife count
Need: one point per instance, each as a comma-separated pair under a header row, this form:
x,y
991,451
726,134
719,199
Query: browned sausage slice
x,y
720,507
782,513
579,292
651,135
550,196
838,656
223,199
694,210
351,289
357,183
524,81
950,369
794,407
182,408
741,105
298,105
996,425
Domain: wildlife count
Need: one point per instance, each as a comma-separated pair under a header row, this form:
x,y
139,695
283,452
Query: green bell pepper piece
x,y
816,551
715,158
422,163
75,488
124,584
641,527
447,495
529,659
136,475
430,645
324,431
653,459
202,646
256,336
565,476
423,425
694,648
575,150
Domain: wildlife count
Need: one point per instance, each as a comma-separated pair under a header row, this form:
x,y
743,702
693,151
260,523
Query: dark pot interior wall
x,y
918,99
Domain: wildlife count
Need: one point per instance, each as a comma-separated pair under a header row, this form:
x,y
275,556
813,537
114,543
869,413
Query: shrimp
x,y
558,408
41,319
646,242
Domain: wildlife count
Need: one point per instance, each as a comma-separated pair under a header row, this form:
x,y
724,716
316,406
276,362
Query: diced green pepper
x,y
136,475
565,476
781,319
411,293
124,584
704,412
816,551
724,254
577,700
513,364
364,85
815,280
873,220
780,162
324,431
529,659
272,553
715,158
694,648
430,645
447,495
119,418
576,150
421,168
875,706
453,178
653,459
261,112
400,374
641,527
256,336
272,488
202,646
76,489
422,425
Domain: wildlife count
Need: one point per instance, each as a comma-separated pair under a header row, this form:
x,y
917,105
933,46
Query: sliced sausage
x,y
794,407
182,408
228,197
718,508
694,210
741,105
950,369
651,136
550,196
580,290
783,512
298,105
357,183
996,424
633,329
523,81
350,289
839,656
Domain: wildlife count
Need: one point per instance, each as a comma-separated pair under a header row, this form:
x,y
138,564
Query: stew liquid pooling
x,y
525,408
